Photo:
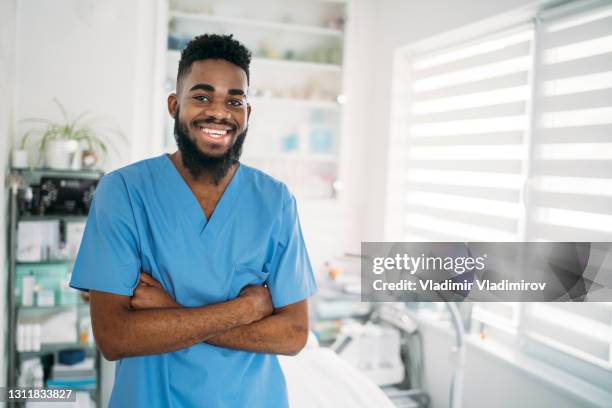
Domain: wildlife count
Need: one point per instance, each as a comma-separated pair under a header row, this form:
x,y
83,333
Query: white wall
x,y
91,55
357,140
8,20
488,381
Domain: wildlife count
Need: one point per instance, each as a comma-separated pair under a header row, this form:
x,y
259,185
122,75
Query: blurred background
x,y
389,120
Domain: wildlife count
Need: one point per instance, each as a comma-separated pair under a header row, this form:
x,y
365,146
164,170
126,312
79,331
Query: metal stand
x,y
14,181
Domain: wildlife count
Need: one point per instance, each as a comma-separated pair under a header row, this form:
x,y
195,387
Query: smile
x,y
214,133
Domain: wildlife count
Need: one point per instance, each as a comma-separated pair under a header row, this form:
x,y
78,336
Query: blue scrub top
x,y
144,217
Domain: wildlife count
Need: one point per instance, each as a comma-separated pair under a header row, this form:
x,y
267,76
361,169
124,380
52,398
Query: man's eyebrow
x,y
238,92
204,87
210,88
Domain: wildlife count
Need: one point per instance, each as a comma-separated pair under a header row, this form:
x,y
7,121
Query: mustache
x,y
212,120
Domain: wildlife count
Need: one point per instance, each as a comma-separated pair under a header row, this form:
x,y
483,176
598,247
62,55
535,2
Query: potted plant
x,y
72,142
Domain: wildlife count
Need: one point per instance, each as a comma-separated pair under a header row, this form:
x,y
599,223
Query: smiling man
x,y
196,264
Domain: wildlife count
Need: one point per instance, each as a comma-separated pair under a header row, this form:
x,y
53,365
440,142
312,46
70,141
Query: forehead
x,y
219,73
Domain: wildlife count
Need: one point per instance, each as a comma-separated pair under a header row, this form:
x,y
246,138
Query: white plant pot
x,y
62,154
19,159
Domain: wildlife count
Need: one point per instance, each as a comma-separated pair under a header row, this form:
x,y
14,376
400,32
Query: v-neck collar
x,y
208,229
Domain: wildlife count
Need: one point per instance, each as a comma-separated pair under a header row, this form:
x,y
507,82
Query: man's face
x,y
213,108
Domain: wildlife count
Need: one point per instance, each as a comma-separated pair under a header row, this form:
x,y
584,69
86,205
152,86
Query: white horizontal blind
x,y
571,188
465,153
472,139
466,119
570,196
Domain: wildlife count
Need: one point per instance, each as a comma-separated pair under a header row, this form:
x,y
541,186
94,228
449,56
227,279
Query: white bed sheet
x,y
319,378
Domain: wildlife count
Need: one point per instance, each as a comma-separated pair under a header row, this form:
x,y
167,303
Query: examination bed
x,y
319,378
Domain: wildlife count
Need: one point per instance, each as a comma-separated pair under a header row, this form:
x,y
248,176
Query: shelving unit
x,y
271,25
286,66
56,347
288,102
293,64
296,82
48,262
18,180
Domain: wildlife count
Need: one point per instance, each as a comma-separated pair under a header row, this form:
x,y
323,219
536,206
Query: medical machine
x,y
373,349
66,195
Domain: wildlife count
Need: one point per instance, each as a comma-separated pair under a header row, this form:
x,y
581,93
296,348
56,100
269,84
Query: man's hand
x,y
260,298
150,294
280,331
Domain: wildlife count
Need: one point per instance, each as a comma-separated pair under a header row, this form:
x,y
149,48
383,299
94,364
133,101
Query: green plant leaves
x,y
84,128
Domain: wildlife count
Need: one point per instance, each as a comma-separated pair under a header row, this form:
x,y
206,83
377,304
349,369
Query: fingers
x,y
149,280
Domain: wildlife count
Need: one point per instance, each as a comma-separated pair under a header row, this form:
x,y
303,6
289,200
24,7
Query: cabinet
x,y
47,318
296,89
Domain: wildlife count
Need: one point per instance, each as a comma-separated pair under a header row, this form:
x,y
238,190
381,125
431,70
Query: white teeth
x,y
214,132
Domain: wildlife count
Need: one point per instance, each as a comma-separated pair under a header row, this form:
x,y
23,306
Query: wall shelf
x,y
51,308
325,158
51,348
52,217
37,171
296,64
301,103
173,57
50,262
271,25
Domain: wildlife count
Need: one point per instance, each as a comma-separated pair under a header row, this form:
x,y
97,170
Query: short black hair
x,y
213,46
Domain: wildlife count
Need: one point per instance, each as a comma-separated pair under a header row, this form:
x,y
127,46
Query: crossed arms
x,y
151,322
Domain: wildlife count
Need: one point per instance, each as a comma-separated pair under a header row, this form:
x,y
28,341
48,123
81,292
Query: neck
x,y
204,181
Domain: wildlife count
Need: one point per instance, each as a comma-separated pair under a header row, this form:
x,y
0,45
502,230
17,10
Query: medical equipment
x,y
456,390
363,353
397,315
373,349
66,195
359,344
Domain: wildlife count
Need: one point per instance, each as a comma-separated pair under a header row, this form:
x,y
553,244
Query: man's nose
x,y
217,110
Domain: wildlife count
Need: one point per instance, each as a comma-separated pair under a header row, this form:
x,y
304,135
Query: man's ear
x,y
172,104
248,111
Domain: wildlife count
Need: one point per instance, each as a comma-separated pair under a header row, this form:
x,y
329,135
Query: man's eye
x,y
235,102
201,98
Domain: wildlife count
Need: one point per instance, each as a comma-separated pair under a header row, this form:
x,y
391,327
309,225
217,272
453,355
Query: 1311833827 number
x,y
41,394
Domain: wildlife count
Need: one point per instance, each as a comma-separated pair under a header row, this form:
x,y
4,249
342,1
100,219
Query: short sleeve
x,y
291,278
109,258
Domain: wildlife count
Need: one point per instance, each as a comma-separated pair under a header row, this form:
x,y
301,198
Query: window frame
x,y
597,372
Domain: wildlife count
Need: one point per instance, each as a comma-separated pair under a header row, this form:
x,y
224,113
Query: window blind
x,y
467,116
509,138
570,195
570,190
464,154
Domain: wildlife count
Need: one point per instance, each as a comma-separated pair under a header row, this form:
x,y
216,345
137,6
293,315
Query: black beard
x,y
198,162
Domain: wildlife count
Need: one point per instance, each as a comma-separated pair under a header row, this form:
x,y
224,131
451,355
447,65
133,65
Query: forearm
x,y
276,334
154,331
